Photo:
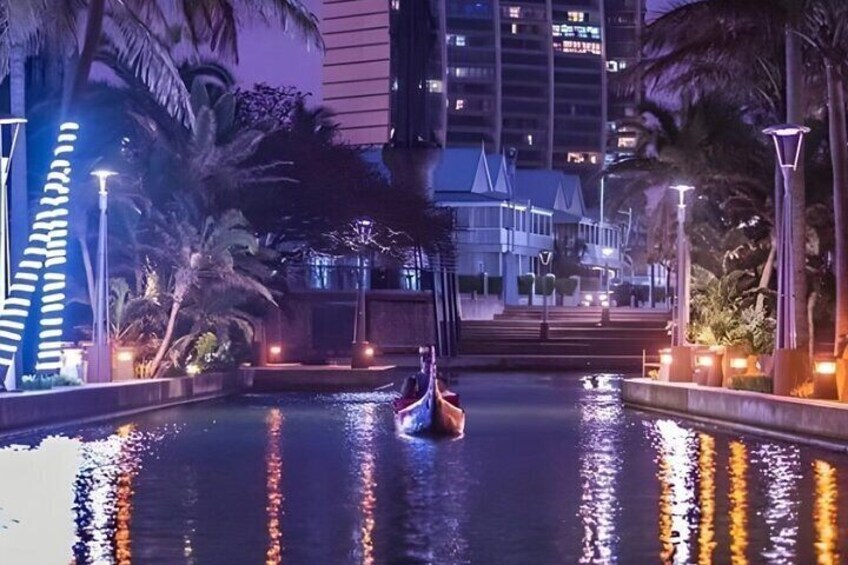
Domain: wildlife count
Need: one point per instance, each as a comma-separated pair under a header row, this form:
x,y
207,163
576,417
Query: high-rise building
x,y
623,21
529,75
383,72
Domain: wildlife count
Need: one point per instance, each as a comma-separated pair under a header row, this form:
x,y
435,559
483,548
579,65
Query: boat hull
x,y
431,414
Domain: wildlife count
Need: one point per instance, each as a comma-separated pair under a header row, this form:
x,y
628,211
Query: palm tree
x,y
202,255
725,45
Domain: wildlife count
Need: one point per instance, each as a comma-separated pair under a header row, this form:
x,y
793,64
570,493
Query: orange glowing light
x,y
124,356
705,360
824,513
738,503
274,496
665,357
275,350
706,467
739,363
826,367
369,352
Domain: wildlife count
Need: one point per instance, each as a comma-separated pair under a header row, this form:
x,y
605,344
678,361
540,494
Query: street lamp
x,y
545,257
362,354
100,364
682,317
607,253
788,143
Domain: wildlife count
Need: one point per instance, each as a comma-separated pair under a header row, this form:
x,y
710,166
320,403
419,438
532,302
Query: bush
x,y
471,283
566,287
495,285
756,383
545,285
64,380
525,284
36,382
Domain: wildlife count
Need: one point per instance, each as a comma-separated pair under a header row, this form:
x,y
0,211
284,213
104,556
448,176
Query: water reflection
x,y
600,462
780,468
825,512
273,478
706,498
676,456
74,499
361,423
738,467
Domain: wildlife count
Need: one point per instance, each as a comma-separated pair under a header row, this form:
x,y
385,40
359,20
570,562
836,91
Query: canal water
x,y
552,470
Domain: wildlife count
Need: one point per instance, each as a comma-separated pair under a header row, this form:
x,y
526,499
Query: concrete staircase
x,y
576,333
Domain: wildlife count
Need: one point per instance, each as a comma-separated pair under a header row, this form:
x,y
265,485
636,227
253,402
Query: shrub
x,y
65,380
471,283
756,383
525,284
545,284
566,287
36,382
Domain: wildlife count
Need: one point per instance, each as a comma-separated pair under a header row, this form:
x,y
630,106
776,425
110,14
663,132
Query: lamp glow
x,y
827,367
193,369
705,360
739,363
665,357
369,352
275,350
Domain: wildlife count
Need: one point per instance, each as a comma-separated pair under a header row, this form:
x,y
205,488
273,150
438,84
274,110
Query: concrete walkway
x,y
817,422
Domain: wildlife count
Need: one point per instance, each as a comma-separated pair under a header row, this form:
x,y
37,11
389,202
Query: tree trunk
x,y
765,276
839,162
91,42
89,271
811,308
169,333
795,115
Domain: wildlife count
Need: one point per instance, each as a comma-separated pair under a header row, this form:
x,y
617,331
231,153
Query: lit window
x,y
460,41
435,86
627,142
579,47
579,158
460,104
529,139
615,66
514,29
514,11
395,5
577,16
394,85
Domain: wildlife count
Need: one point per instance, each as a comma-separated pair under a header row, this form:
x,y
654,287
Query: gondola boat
x,y
436,412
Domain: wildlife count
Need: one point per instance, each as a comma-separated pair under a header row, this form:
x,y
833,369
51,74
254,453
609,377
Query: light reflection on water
x,y
600,463
611,476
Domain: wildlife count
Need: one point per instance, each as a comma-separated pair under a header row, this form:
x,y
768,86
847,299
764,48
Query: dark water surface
x,y
551,470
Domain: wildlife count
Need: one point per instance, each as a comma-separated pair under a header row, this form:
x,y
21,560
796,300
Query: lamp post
x,y
681,321
362,354
100,363
13,126
607,253
788,143
545,257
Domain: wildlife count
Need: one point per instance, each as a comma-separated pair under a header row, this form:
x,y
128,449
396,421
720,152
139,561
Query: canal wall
x,y
102,401
811,421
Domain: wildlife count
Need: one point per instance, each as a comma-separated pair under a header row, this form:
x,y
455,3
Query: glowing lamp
x,y
275,350
665,357
705,360
826,367
607,251
369,351
124,356
193,369
739,363
788,142
545,257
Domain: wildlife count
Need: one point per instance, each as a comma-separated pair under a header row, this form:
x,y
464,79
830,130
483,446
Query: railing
x,y
346,278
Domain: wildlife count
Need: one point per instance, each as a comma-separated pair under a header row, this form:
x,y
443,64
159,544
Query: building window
x,y
459,104
456,40
615,66
576,32
580,158
395,5
514,12
578,47
577,16
434,86
626,143
513,29
529,139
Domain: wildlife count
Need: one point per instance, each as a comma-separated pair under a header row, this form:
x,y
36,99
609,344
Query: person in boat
x,y
409,389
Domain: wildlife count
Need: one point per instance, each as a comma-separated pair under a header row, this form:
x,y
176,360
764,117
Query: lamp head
x,y
682,189
545,256
788,141
102,175
607,251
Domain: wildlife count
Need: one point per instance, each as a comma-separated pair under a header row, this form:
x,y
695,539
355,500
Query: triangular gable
x,y
482,180
574,196
499,173
559,200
